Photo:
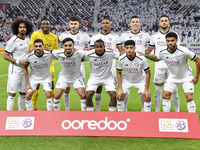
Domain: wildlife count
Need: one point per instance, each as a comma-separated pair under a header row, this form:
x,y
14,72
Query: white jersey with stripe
x,y
133,69
80,38
17,48
177,62
158,41
141,39
70,65
111,40
40,65
101,65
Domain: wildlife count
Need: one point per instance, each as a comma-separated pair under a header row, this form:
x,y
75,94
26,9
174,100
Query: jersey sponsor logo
x,y
108,44
24,49
101,64
94,125
131,70
69,63
78,38
172,63
39,66
110,39
138,42
161,43
76,43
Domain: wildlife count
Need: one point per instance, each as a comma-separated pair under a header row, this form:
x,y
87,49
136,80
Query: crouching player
x,y
133,66
40,62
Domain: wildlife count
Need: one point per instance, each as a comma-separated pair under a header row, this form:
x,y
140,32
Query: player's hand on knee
x,y
28,87
195,80
120,95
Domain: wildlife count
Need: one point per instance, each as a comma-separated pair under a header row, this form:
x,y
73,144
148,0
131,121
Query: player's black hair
x,y
164,16
28,24
74,18
99,41
44,18
134,17
105,18
129,42
171,34
38,41
68,39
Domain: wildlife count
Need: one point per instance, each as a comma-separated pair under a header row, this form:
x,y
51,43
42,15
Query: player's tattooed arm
x,y
150,57
153,58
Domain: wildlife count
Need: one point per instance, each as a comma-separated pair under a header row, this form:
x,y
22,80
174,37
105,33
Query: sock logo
x,y
93,124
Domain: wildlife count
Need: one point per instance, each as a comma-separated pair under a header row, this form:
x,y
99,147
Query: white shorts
x,y
126,86
82,68
93,84
62,83
187,86
160,75
47,83
15,82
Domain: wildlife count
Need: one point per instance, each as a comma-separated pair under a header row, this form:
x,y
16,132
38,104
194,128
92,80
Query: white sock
x,y
66,101
90,108
176,101
126,102
21,102
56,104
49,104
147,106
191,106
158,98
112,108
120,105
10,103
98,101
83,104
29,105
166,105
142,101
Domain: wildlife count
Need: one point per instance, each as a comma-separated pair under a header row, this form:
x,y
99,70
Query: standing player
x,y
176,58
158,42
133,66
141,40
101,61
51,42
17,47
112,42
80,41
40,63
70,74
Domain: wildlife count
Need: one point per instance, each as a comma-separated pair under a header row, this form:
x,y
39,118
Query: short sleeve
x,y
9,47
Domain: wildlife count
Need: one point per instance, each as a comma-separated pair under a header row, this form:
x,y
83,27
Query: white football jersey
x,y
70,65
141,39
80,38
17,48
177,62
111,40
133,69
158,41
101,65
40,65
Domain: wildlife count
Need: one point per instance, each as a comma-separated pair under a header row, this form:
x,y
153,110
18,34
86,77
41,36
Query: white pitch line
x,y
3,75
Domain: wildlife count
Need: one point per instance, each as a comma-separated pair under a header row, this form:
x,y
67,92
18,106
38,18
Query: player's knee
x,y
189,98
57,96
48,95
28,96
166,95
113,96
82,95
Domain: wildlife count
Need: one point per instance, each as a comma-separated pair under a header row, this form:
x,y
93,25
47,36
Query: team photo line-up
x,y
131,70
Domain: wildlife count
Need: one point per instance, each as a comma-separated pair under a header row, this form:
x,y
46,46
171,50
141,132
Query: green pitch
x,y
102,143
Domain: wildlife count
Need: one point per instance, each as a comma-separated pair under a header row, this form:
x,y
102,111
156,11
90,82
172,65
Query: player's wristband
x,y
17,61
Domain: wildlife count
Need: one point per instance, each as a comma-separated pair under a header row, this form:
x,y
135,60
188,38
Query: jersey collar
x,y
135,33
74,34
170,51
105,34
21,38
164,33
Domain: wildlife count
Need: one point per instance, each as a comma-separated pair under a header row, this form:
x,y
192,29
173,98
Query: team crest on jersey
x,y
136,64
78,38
140,37
110,39
50,41
73,59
